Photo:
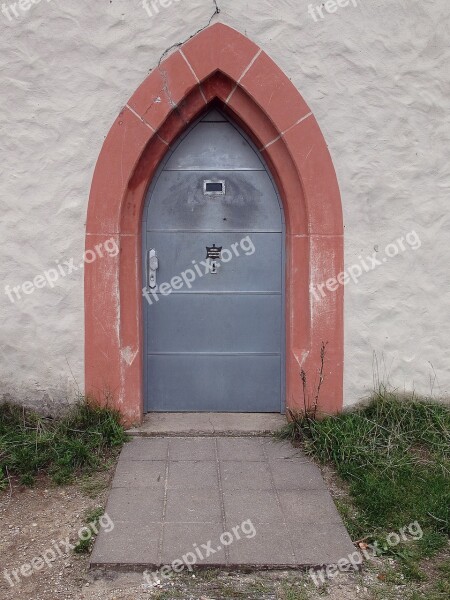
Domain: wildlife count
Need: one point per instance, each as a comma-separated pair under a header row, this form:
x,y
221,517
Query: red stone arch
x,y
217,65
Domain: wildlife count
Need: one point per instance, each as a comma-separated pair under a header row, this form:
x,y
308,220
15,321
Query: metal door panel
x,y
215,343
258,272
213,383
215,323
249,203
211,146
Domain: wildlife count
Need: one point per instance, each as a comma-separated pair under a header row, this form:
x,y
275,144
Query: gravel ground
x,y
31,522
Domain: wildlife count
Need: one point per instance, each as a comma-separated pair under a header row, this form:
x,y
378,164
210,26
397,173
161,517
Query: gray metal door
x,y
213,271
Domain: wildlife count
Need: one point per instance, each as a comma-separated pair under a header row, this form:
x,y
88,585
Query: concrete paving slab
x,y
296,475
192,449
182,538
129,543
145,449
322,543
195,475
140,474
193,506
263,503
308,506
245,475
133,505
273,547
259,506
275,450
209,424
243,449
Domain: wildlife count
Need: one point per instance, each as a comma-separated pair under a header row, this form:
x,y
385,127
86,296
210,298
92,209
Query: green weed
x,y
83,546
78,443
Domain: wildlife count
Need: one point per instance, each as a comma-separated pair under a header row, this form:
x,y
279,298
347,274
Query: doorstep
x,y
208,424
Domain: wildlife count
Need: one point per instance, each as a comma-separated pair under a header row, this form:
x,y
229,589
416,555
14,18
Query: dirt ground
x,y
33,520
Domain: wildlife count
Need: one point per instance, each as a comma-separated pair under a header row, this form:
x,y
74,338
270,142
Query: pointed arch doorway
x,y
222,67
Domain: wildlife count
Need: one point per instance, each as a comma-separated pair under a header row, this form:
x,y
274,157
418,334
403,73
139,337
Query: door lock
x,y
213,254
153,265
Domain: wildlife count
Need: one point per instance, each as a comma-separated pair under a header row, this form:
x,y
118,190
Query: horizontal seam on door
x,y
213,353
208,293
247,231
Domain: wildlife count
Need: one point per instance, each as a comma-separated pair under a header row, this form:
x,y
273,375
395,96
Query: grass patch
x,y
290,591
93,484
209,574
394,455
438,588
92,518
76,444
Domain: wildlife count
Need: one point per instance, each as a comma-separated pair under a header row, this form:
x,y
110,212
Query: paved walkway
x,y
245,501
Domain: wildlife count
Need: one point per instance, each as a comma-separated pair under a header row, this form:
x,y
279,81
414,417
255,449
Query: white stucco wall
x,y
376,77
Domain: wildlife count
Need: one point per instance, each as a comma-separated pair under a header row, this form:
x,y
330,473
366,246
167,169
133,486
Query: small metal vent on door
x,y
214,188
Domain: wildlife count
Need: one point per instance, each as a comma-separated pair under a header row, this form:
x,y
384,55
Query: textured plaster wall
x,y
376,77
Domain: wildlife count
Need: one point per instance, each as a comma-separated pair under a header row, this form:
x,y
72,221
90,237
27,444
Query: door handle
x,y
152,267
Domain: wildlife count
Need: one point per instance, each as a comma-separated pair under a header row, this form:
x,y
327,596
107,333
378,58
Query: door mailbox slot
x,y
214,188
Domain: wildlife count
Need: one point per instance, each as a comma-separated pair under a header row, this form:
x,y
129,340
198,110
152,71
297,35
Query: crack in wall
x,y
164,74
